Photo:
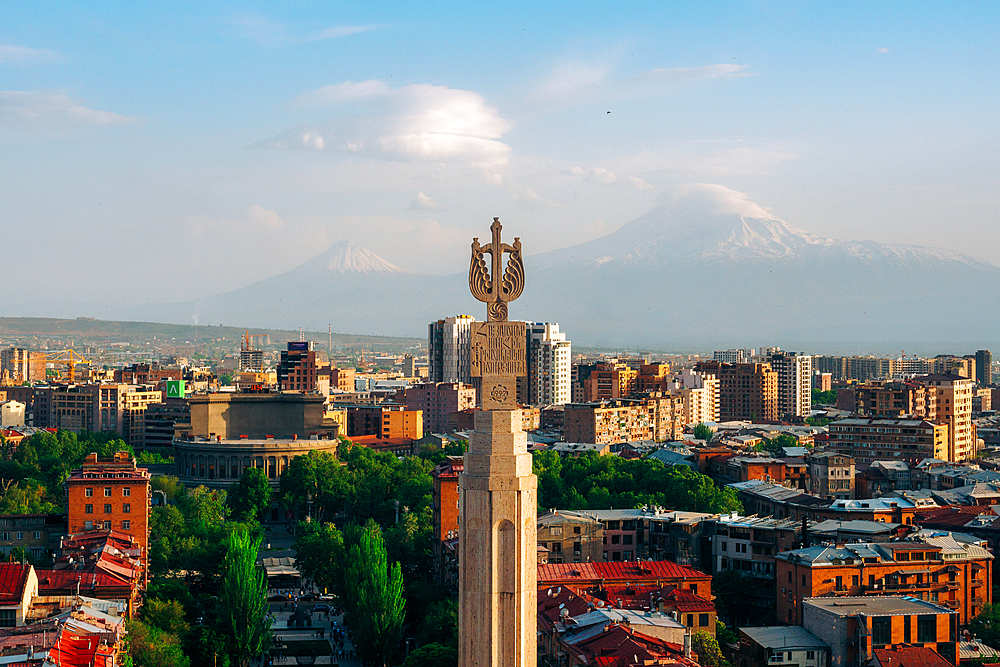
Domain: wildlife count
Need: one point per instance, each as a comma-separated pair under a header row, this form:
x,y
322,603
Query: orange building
x,y
110,495
342,379
608,381
403,424
931,566
446,501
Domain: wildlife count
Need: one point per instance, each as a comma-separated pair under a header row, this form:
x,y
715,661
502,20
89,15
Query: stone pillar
x,y
498,552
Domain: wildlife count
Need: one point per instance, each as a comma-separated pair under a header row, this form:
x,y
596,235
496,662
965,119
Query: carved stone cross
x,y
498,346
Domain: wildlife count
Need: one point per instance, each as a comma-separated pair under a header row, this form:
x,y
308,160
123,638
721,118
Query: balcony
x,y
953,604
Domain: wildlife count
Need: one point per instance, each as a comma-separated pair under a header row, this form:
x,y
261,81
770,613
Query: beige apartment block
x,y
952,395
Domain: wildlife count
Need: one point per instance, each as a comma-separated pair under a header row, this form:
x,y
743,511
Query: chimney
x,y
805,532
687,645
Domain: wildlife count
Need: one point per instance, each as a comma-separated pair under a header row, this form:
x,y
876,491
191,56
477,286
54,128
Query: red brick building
x,y
110,495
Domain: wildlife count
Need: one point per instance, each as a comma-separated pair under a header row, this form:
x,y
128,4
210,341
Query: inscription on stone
x,y
497,348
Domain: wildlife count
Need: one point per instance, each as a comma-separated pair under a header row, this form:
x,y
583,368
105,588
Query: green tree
x,y
316,482
702,432
250,499
27,497
986,625
724,634
433,655
777,444
440,624
319,554
244,598
707,648
824,397
149,646
167,615
204,508
170,486
377,609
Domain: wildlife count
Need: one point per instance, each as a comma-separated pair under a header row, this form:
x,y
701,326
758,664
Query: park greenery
x,y
592,481
828,397
776,445
702,432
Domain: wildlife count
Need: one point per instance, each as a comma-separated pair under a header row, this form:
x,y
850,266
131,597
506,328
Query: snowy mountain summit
x,y
346,257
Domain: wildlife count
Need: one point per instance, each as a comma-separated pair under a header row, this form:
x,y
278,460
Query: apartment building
x,y
794,383
656,417
608,381
449,349
570,537
984,368
951,569
438,400
831,475
298,369
952,395
893,399
18,365
747,391
700,395
858,629
869,440
110,494
549,365
96,407
384,421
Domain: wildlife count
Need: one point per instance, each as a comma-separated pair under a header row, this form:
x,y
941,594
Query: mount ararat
x,y
706,269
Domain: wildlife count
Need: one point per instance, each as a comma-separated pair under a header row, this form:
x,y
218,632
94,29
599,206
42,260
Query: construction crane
x,y
68,357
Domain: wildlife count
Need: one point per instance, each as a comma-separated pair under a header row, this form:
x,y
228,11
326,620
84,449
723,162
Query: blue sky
x,y
212,144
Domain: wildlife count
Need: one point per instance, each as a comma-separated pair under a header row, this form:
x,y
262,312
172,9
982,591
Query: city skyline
x,y
207,138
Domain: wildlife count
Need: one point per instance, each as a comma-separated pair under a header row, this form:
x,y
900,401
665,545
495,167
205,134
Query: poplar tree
x,y
244,597
375,612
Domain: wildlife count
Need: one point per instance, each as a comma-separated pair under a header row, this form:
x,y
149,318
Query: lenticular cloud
x,y
415,123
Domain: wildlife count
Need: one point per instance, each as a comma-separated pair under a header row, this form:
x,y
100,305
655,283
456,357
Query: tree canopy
x,y
244,597
376,610
592,481
250,498
702,432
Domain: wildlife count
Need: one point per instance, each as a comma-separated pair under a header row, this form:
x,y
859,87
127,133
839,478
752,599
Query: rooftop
x,y
785,636
887,605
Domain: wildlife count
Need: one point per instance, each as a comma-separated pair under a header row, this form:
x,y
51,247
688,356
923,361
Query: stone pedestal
x,y
498,546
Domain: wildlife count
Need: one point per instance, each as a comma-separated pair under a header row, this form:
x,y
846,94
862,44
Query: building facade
x,y
831,475
449,349
438,400
747,391
869,440
794,383
549,364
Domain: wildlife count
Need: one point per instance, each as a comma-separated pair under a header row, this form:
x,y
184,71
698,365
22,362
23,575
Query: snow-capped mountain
x,y
707,268
346,257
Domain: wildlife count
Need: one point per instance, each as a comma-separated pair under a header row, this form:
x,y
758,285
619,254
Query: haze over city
x,y
210,146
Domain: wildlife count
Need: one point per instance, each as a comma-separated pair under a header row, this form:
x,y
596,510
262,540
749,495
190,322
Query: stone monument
x,y
498,492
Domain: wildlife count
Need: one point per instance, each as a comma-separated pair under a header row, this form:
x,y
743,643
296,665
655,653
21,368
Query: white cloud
x,y
267,32
339,31
20,54
48,109
423,202
415,123
884,49
640,184
602,175
265,218
715,198
587,82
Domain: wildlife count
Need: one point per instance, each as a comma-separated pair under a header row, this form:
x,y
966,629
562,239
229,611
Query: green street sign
x,y
175,388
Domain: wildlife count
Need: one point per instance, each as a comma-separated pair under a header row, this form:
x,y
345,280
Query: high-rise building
x,y
409,369
737,356
746,391
549,364
700,393
794,383
984,367
18,365
251,357
297,369
952,395
96,407
448,349
608,381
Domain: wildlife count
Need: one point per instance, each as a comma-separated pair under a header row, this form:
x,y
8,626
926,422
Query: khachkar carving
x,y
497,539
498,346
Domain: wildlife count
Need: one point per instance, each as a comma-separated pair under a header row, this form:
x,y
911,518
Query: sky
x,y
154,152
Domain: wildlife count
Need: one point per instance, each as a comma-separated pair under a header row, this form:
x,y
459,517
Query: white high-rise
x,y
794,383
549,364
448,349
701,396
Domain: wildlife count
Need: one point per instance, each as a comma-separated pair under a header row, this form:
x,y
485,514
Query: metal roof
x,y
785,636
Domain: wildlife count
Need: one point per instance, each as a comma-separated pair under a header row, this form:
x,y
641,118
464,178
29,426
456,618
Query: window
x,y
690,622
38,535
616,539
127,491
107,492
703,620
626,539
810,655
107,508
576,530
555,530
19,536
89,492
8,618
88,509
926,629
127,508
723,546
803,579
882,631
126,525
107,525
88,525
790,577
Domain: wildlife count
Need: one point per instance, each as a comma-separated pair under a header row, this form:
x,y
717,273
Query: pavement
x,y
319,620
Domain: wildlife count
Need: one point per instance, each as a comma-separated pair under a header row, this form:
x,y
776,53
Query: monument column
x,y
498,492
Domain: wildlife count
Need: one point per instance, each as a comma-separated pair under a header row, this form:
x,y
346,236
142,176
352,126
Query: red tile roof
x,y
625,572
910,656
13,578
955,515
72,650
619,646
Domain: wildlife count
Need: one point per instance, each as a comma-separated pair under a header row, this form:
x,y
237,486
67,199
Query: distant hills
x,y
705,270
